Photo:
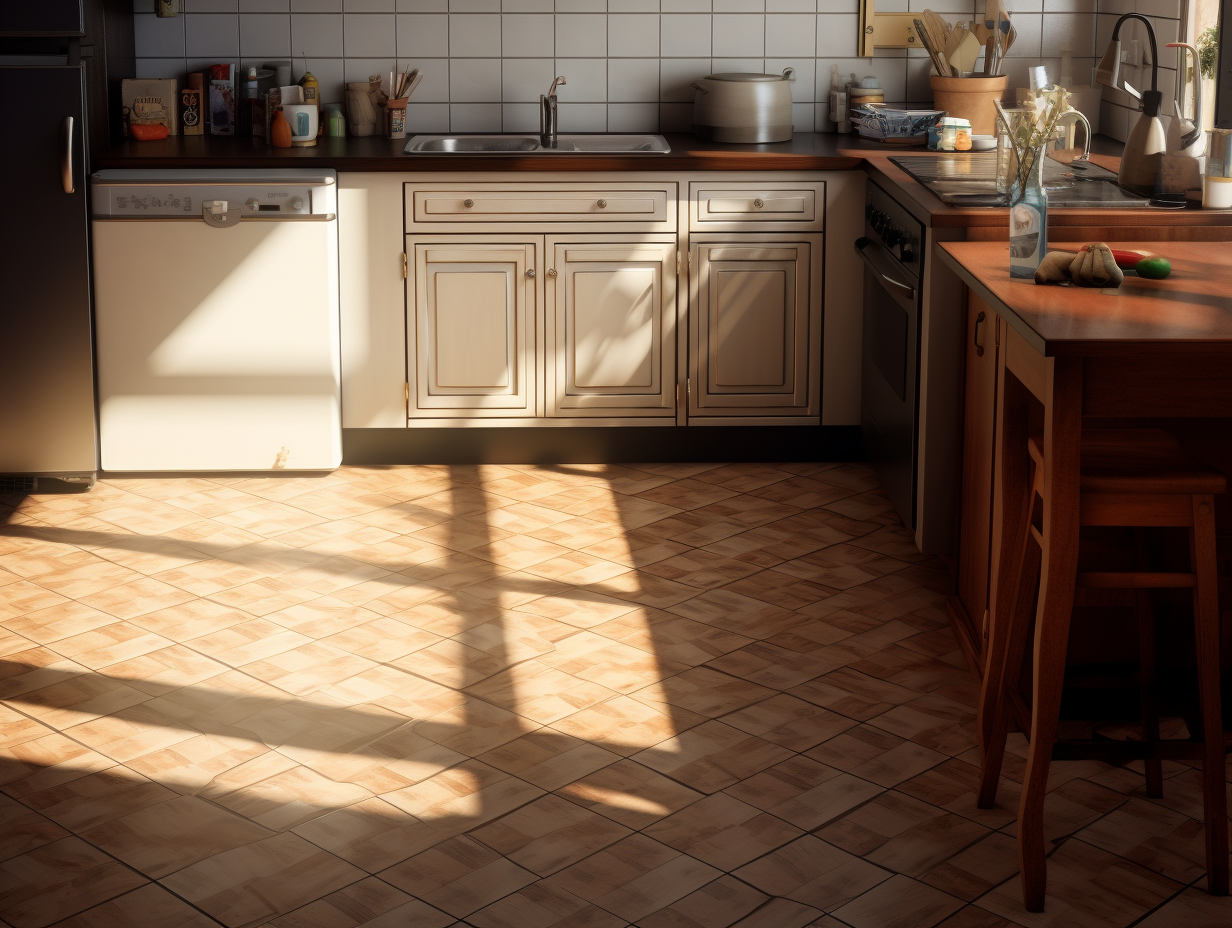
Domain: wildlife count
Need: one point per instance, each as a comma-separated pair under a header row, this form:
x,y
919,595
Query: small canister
x,y
335,121
955,134
1219,153
395,119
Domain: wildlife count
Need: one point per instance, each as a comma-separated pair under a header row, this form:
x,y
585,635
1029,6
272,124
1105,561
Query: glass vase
x,y
1028,214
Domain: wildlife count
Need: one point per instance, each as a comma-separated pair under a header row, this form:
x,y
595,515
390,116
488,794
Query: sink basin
x,y
567,144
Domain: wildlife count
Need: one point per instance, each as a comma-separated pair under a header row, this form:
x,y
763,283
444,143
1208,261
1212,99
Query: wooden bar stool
x,y
1136,478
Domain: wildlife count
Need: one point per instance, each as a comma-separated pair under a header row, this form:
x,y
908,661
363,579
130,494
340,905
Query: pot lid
x,y
740,76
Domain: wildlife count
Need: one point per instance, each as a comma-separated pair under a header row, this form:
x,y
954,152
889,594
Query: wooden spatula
x,y
954,39
963,58
936,28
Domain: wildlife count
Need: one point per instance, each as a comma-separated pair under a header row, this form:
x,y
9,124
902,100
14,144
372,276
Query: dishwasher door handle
x,y
863,242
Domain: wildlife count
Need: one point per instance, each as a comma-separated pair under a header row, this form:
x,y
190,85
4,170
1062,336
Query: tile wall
x,y
628,62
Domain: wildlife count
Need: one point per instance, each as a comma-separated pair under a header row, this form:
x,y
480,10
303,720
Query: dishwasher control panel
x,y
172,194
152,202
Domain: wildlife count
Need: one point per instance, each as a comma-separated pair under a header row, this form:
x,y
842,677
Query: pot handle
x,y
698,87
789,74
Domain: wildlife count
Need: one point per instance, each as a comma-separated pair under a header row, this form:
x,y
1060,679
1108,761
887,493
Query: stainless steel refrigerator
x,y
56,82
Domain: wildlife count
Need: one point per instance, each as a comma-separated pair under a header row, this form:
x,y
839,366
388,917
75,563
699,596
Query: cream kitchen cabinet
x,y
756,318
472,330
610,313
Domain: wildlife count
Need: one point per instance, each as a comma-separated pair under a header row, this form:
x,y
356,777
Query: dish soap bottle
x,y
312,94
1028,215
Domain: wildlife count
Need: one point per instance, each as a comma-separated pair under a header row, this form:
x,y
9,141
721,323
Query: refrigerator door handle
x,y
66,156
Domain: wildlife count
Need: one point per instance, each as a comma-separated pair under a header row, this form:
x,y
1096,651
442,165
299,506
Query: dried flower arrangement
x,y
1034,126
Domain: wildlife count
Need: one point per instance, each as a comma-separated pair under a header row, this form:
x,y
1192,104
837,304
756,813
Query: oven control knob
x,y
906,253
297,203
252,202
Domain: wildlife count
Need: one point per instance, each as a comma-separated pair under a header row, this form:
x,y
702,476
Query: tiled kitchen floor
x,y
668,696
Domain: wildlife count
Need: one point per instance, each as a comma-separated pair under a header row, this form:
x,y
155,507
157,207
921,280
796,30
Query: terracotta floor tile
x,y
629,793
720,904
32,669
373,834
638,586
47,762
58,622
899,902
635,548
192,619
368,902
543,906
617,666
954,785
135,731
972,872
1088,887
902,834
261,880
791,722
60,879
204,577
854,694
626,725
247,642
473,727
701,569
1159,839
778,667
876,755
549,834
1190,908
22,830
723,831
16,728
735,612
397,691
163,838
192,764
136,598
549,759
166,669
308,668
460,876
634,877
812,872
22,597
539,692
86,579
148,906
712,756
663,634
933,721
287,798
804,792
704,691
464,796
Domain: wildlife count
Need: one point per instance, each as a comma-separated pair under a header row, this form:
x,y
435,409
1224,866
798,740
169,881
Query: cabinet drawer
x,y
625,206
774,206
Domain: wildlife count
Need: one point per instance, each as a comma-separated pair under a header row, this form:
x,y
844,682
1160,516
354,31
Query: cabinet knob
x,y
602,204
530,272
468,203
759,203
551,272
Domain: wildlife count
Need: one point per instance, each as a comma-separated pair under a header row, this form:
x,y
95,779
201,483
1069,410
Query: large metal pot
x,y
746,108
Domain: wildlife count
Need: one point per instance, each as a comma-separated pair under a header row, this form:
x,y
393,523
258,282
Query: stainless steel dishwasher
x,y
216,319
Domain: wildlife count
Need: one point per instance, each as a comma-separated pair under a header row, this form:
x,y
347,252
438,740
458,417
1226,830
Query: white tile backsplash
x,y
629,63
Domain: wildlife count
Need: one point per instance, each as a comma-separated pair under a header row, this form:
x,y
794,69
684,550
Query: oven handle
x,y
863,242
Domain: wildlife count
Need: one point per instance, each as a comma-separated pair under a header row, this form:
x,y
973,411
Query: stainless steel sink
x,y
567,144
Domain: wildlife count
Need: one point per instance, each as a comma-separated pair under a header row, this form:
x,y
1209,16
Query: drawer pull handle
x,y
759,203
979,322
530,272
602,204
551,272
468,203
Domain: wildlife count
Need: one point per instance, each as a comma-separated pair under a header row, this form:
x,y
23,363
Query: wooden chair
x,y
1130,477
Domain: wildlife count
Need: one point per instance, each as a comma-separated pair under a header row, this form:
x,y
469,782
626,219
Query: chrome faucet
x,y
547,114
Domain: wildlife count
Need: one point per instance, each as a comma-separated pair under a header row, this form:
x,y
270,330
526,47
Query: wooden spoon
x,y
921,30
963,58
937,30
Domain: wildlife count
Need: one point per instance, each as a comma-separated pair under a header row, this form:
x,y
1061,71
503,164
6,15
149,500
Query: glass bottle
x,y
1028,215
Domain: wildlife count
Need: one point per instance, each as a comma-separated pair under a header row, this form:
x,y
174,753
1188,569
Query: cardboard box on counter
x,y
150,102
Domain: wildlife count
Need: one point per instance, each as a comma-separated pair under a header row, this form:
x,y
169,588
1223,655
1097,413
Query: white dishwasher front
x,y
216,320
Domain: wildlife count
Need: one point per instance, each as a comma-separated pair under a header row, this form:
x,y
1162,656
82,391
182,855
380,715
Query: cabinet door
x,y
473,337
756,328
611,317
979,446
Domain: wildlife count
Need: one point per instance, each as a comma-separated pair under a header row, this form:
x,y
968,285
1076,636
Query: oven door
x,y
889,379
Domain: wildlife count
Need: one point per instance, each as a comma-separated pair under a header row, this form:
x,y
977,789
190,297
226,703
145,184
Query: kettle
x,y
744,108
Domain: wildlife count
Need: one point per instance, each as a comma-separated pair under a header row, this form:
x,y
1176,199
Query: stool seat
x,y
1139,461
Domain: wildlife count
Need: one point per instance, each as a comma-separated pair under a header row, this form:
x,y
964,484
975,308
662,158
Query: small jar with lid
x,y
955,134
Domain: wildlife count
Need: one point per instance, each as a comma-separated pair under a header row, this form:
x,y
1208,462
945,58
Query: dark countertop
x,y
1190,307
807,151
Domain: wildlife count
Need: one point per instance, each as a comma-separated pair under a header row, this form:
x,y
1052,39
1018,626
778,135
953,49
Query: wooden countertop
x,y
1191,307
807,151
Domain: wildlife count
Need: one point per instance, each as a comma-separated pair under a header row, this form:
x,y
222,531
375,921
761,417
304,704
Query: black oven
x,y
892,252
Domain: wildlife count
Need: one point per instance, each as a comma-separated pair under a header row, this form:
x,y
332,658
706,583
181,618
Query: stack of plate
x,y
895,127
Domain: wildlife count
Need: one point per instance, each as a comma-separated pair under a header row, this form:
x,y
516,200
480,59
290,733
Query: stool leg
x,y
1062,464
1206,634
1018,574
1147,685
